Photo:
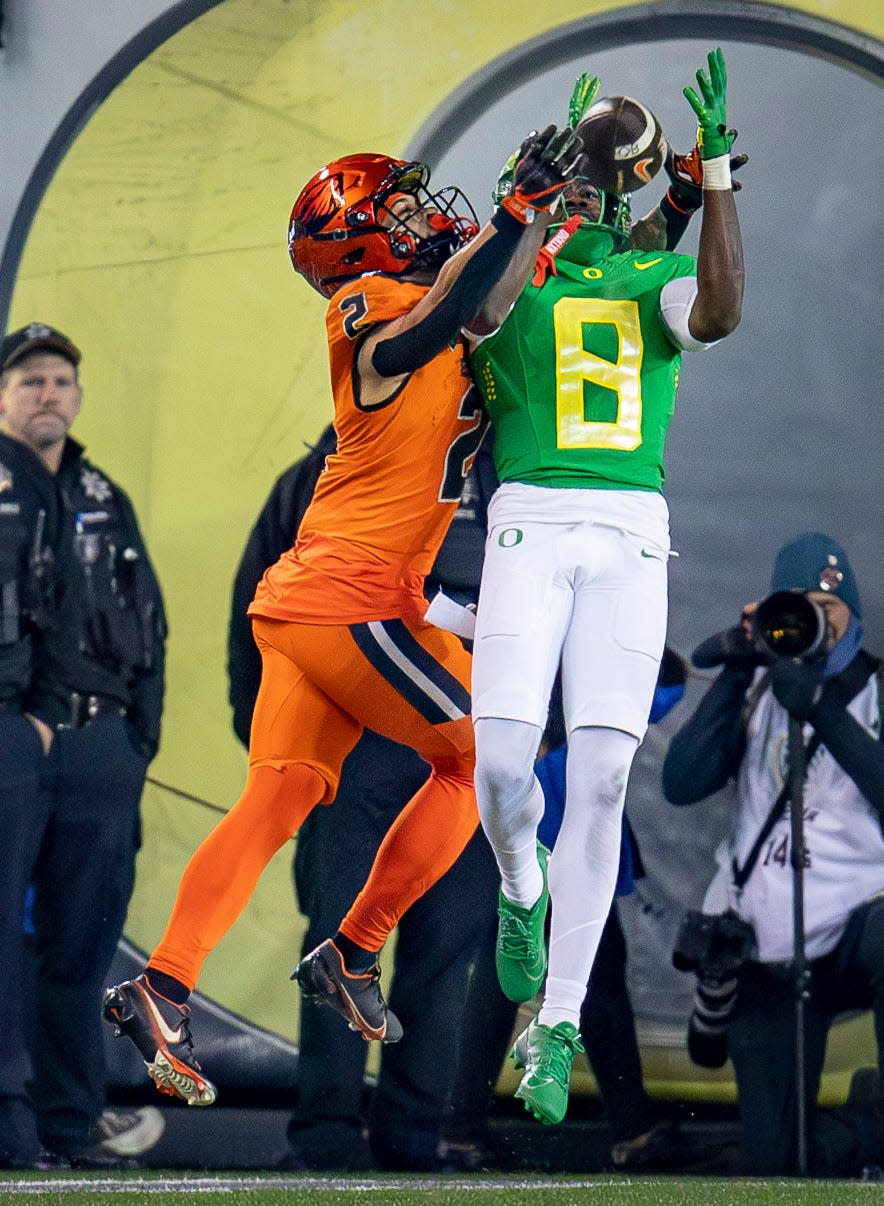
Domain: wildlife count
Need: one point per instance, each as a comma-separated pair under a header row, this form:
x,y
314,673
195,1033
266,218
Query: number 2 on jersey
x,y
577,367
464,446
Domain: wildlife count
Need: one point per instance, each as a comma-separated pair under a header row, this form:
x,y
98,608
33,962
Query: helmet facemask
x,y
344,223
599,210
442,212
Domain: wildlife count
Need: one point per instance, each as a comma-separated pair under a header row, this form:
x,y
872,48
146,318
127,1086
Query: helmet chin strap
x,y
546,257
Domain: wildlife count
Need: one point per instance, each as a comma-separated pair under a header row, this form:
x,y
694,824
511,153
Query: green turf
x,y
162,1189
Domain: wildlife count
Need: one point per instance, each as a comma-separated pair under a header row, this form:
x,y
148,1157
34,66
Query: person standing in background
x,y
82,637
740,731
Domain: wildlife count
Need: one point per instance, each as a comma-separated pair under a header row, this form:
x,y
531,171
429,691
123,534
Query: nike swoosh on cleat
x,y
359,1023
171,1036
647,263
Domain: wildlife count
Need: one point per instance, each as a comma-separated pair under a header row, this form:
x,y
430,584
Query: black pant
x,y
69,825
23,817
761,1043
436,944
607,1027
483,1039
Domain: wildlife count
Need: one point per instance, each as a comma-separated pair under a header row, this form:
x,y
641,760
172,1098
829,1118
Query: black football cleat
x,y
324,979
160,1030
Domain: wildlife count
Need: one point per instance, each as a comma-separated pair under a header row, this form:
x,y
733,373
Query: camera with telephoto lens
x,y
788,624
715,946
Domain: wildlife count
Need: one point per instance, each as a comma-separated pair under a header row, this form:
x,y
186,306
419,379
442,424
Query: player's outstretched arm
x,y
662,228
531,183
475,284
720,276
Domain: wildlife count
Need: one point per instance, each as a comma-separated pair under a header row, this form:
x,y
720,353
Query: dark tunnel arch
x,y
768,25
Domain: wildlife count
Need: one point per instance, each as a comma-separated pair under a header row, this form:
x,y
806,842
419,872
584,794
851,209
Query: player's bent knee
x,y
502,780
460,767
505,752
602,757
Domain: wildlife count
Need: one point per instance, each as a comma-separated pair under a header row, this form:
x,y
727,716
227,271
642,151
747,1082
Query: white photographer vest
x,y
842,832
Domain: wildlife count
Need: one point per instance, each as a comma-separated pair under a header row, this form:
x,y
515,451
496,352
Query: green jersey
x,y
580,380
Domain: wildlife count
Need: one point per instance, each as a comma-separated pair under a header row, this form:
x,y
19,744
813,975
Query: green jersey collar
x,y
587,246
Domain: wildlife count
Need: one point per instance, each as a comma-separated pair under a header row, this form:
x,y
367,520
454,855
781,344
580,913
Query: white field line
x,y
226,1184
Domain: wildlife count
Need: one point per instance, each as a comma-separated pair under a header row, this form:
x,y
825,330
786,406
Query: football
x,y
624,144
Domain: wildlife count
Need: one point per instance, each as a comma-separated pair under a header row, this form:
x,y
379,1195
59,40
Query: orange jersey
x,y
385,499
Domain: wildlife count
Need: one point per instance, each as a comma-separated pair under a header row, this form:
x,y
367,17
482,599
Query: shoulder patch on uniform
x,y
95,485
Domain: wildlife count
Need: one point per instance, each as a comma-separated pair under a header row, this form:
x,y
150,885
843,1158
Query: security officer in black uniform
x,y
82,636
439,935
28,536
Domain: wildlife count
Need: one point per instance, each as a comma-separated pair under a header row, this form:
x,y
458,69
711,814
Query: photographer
x,y
772,671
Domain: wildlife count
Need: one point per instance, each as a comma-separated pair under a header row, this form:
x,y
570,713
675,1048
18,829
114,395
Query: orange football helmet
x,y
336,230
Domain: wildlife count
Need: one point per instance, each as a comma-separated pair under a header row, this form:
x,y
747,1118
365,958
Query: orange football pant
x,y
320,686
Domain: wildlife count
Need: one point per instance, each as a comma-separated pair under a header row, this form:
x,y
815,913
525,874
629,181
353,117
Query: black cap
x,y
34,338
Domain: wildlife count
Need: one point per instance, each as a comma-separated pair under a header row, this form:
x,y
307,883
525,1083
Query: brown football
x,y
624,144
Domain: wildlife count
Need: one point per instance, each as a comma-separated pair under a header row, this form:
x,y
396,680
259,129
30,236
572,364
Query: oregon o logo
x,y
509,538
593,274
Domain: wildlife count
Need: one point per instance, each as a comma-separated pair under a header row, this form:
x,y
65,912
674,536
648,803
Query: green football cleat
x,y
520,953
546,1054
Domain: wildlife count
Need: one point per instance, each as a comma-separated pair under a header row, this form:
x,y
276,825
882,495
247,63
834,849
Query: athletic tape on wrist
x,y
717,173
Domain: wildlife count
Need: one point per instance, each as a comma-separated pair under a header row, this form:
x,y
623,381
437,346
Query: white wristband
x,y
717,173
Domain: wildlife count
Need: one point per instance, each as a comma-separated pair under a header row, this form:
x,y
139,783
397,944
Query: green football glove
x,y
504,185
586,89
713,137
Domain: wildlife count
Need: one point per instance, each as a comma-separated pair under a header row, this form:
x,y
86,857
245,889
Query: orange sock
x,y
222,873
422,843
